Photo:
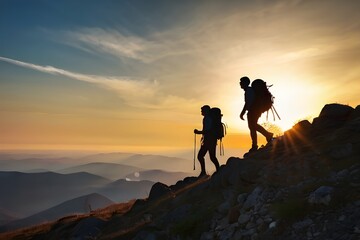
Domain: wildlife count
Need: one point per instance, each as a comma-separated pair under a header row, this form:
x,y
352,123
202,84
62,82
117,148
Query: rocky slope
x,y
304,185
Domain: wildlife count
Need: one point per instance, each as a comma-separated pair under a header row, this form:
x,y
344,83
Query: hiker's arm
x,y
206,126
249,98
243,112
198,131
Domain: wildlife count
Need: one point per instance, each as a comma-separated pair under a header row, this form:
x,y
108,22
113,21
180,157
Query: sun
x,y
294,100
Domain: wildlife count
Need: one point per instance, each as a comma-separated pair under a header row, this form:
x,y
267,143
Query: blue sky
x,y
112,73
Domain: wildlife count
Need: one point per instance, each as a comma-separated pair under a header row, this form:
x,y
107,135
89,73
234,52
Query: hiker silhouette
x,y
208,141
253,114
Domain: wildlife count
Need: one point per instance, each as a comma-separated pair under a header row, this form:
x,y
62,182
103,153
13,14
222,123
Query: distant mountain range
x,y
168,178
122,190
28,193
80,205
114,157
171,164
144,161
13,163
112,171
116,171
29,196
37,162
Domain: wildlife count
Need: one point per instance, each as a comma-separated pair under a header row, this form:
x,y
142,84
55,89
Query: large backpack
x,y
218,128
263,98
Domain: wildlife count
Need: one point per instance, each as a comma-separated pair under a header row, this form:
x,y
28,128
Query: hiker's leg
x,y
212,153
255,118
201,157
252,123
262,130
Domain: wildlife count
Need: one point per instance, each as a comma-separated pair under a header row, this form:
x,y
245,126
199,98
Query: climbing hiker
x,y
254,111
208,141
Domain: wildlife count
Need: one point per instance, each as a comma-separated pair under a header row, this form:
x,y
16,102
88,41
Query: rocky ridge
x,y
304,185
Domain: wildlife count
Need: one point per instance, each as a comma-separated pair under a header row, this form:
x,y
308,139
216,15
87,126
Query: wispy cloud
x,y
109,42
135,92
119,44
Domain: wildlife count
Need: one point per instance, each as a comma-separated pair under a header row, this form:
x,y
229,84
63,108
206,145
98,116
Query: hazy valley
x,y
36,188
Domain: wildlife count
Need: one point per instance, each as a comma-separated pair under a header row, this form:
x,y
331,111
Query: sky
x,y
132,75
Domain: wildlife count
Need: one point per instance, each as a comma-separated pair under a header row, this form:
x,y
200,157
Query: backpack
x,y
263,98
218,128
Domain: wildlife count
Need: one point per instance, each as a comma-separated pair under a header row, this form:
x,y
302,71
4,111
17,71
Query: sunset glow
x,y
132,75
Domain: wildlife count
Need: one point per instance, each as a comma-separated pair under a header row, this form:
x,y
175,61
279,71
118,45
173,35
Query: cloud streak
x,y
135,92
120,45
142,93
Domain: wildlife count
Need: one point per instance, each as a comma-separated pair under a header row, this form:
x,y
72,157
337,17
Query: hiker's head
x,y
244,82
205,109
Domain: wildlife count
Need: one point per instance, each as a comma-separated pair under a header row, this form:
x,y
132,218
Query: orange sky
x,y
108,81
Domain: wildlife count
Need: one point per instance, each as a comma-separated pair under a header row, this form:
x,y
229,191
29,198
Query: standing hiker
x,y
253,114
208,141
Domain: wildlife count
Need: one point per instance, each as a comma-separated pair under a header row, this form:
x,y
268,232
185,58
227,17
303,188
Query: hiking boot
x,y
270,137
253,149
202,175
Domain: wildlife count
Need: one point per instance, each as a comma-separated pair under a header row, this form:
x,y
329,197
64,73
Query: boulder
x,y
303,126
183,183
159,190
244,218
253,198
332,116
322,195
240,171
336,111
241,198
299,132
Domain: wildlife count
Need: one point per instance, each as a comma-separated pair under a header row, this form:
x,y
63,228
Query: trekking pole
x,y
276,113
222,150
272,110
194,148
